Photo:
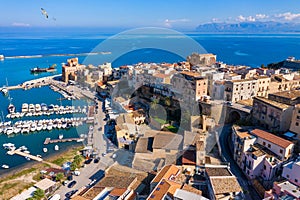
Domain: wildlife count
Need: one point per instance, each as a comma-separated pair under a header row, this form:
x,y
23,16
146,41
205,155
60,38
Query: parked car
x,y
69,194
66,182
72,184
88,161
70,178
96,160
76,173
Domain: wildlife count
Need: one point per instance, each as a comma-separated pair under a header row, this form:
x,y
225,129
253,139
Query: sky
x,y
177,14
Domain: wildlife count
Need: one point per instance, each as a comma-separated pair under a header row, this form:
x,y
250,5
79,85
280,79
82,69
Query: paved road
x,y
251,193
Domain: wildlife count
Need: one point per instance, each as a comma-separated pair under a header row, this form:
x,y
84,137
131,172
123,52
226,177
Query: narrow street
x,y
251,193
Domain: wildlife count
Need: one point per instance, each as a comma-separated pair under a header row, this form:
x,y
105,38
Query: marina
x,y
27,126
29,110
21,151
49,141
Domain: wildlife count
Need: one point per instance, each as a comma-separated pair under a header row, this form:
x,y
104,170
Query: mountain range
x,y
249,27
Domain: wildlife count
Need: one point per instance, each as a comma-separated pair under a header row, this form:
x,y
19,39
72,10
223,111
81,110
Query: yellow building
x,y
70,68
295,123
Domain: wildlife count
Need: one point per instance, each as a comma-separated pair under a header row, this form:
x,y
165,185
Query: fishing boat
x,y
56,147
40,70
11,108
5,166
45,150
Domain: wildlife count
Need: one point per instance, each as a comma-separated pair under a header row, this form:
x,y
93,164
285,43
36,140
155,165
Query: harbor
x,y
50,141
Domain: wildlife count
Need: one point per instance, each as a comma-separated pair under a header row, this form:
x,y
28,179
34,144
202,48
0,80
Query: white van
x,y
55,197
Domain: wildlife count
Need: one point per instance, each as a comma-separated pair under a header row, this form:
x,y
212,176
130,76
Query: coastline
x,y
33,164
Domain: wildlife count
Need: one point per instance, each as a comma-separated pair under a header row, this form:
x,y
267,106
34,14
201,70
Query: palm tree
x,y
38,194
154,105
73,166
59,177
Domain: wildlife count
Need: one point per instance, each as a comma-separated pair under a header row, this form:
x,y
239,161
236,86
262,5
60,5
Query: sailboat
x,y
11,108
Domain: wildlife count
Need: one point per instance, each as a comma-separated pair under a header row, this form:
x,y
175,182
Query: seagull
x,y
44,12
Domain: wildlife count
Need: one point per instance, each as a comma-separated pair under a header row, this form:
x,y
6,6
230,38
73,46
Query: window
x,y
296,180
264,143
297,123
298,117
265,167
269,145
281,151
288,176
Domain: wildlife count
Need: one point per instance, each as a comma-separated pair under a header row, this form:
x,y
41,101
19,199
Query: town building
x,y
272,115
236,90
295,122
283,190
221,183
263,84
69,70
291,171
201,59
258,153
47,185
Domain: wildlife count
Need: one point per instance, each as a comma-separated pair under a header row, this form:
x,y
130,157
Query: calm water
x,y
252,50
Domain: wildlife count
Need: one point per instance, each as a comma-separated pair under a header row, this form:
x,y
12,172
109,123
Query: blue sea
x,y
239,49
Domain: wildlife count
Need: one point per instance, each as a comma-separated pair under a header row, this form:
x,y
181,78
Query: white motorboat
x,y
28,152
61,136
45,150
23,148
27,158
9,131
38,107
5,166
33,127
44,126
56,147
25,107
39,156
44,107
17,130
49,126
31,108
39,127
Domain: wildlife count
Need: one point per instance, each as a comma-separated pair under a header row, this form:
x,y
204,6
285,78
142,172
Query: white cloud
x,y
170,22
20,24
261,16
242,18
288,16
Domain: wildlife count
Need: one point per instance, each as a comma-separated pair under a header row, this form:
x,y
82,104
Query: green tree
x,y
39,194
77,160
73,166
59,177
168,101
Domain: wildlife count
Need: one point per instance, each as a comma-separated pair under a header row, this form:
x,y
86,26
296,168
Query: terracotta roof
x,y
160,75
217,171
116,181
79,198
271,138
188,73
165,173
162,188
167,141
116,192
189,157
223,185
92,193
191,189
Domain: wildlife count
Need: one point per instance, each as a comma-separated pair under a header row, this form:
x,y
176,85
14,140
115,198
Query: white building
x,y
291,171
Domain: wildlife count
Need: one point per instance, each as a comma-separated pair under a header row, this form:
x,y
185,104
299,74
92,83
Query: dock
x,y
20,153
49,141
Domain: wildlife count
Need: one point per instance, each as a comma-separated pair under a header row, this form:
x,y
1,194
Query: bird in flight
x,y
44,12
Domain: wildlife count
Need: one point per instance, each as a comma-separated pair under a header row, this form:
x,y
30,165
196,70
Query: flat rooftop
x,y
273,103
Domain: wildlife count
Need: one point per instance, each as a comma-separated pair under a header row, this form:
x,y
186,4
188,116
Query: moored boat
x,y
5,166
